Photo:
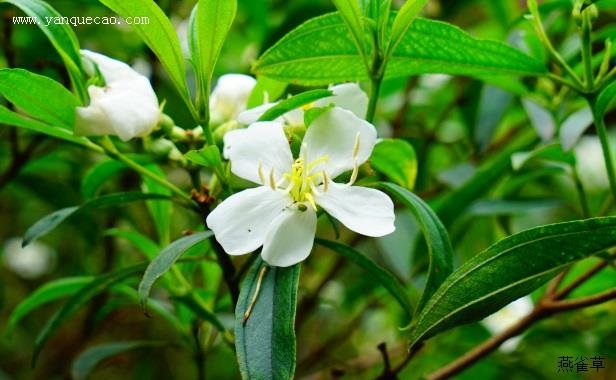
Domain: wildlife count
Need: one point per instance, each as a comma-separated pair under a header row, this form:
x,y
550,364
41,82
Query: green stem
x,y
608,155
375,88
581,194
587,50
112,151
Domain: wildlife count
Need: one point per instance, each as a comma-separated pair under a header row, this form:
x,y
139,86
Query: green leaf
x,y
605,100
87,361
266,90
160,36
159,210
541,119
98,174
351,14
403,21
496,207
51,221
427,47
39,96
196,306
552,152
60,35
165,260
439,247
11,118
396,159
376,272
149,248
509,270
208,157
574,127
79,299
47,293
294,102
209,25
265,343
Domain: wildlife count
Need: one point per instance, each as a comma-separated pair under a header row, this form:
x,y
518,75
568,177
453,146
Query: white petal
x,y
333,134
261,143
127,106
290,237
348,96
294,118
229,97
252,115
241,222
366,211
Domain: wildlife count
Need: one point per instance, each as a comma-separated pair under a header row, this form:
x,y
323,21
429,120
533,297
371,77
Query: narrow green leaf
x,y
294,102
100,173
47,293
509,270
605,99
497,207
14,119
160,36
427,47
86,362
396,159
163,262
160,211
213,21
79,299
60,35
439,247
149,248
552,152
39,96
389,282
51,221
265,343
403,21
352,16
574,127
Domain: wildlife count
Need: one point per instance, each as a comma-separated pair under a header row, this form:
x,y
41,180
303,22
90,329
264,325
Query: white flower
x,y
229,97
280,215
507,317
30,262
127,106
348,96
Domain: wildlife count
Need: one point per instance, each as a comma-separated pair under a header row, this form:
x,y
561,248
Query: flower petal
x,y
290,237
333,134
261,143
229,97
241,222
348,96
252,115
366,211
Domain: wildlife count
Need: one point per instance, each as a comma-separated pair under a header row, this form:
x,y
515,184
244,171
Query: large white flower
x,y
348,96
507,317
127,106
280,215
229,97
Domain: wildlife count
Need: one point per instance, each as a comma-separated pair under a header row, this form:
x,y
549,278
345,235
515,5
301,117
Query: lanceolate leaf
x,y
159,35
265,342
87,361
160,211
143,243
439,247
426,47
351,14
605,99
510,269
389,282
60,35
98,174
11,118
396,159
211,22
39,96
85,294
51,221
405,17
294,102
47,293
163,262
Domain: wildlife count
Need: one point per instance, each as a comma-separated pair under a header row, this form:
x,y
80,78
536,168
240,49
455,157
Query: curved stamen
x,y
260,172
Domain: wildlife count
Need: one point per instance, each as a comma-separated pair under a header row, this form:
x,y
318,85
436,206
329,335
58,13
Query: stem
x,y
112,151
581,194
587,50
375,87
608,156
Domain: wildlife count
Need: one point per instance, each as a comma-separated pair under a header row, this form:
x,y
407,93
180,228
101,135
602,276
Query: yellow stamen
x,y
310,200
325,181
260,171
272,180
356,146
355,172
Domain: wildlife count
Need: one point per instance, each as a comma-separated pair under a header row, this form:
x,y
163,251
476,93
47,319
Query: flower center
x,y
302,180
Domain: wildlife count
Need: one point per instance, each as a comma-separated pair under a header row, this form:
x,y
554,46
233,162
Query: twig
x,y
580,280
